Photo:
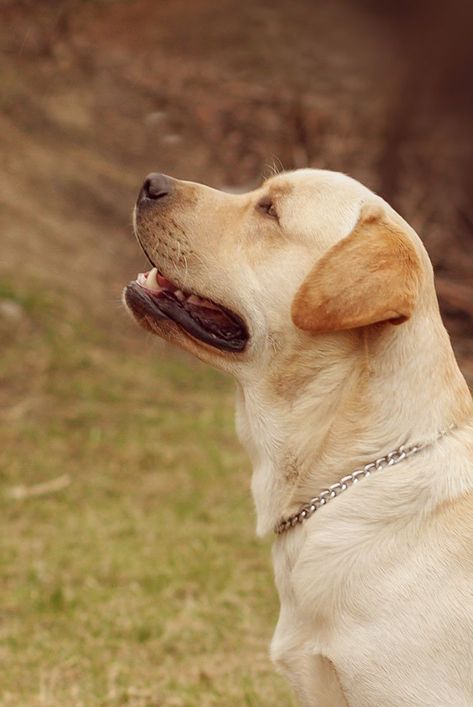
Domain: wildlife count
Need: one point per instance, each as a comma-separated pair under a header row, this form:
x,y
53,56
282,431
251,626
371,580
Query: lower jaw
x,y
152,312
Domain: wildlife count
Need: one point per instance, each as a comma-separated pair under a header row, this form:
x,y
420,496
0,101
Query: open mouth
x,y
153,297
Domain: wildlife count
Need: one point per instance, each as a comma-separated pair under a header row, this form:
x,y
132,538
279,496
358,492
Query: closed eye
x,y
266,206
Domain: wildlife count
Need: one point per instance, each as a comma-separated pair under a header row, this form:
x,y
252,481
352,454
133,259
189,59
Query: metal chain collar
x,y
326,495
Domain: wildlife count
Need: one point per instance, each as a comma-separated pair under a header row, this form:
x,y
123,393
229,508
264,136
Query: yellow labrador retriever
x,y
319,298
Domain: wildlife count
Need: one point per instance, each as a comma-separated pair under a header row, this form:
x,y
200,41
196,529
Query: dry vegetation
x,y
130,575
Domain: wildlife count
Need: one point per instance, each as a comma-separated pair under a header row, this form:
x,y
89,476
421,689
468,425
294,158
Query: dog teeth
x,y
151,282
194,299
208,304
202,302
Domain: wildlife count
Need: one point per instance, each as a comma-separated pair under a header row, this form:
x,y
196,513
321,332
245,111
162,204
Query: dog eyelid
x,y
266,205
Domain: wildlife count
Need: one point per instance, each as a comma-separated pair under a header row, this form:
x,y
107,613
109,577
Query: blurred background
x,y
129,570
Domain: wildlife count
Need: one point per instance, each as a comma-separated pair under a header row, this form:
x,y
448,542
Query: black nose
x,y
156,186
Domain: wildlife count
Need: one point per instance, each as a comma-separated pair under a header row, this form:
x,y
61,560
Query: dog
x,y
320,300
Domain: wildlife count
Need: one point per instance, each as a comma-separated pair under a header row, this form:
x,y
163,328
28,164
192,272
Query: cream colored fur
x,y
376,588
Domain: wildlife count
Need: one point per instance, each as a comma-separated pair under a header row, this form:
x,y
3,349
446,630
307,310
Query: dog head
x,y
239,278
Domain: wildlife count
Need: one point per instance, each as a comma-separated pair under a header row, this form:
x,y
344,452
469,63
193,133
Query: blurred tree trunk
x,y
432,101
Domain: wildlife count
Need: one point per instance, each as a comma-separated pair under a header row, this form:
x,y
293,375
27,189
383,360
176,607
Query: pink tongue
x,y
163,282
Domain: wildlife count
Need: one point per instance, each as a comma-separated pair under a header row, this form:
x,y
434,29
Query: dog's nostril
x,y
156,186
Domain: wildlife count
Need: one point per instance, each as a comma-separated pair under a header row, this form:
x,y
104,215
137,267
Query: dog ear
x,y
371,276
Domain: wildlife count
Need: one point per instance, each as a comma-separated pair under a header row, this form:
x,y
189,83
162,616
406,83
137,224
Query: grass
x,y
140,582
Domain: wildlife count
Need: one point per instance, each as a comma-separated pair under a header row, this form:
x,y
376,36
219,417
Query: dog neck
x,y
343,401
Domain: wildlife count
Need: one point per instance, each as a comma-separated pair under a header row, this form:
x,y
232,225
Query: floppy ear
x,y
370,276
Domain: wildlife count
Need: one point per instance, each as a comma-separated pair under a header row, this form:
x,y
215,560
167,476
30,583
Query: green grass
x,y
139,583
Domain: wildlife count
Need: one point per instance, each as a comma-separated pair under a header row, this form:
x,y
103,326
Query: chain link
x,y
391,459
